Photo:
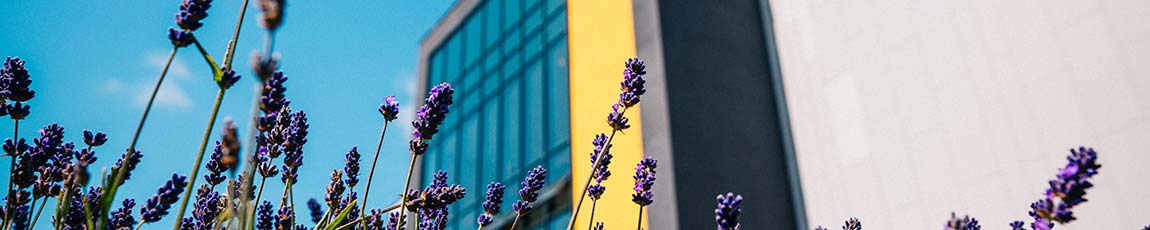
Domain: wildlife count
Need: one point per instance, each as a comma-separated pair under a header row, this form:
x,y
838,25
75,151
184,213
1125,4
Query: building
x,y
898,113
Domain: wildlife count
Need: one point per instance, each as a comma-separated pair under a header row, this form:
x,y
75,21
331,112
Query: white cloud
x,y
171,95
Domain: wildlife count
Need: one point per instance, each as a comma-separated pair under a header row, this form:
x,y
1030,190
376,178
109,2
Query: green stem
x,y
371,172
406,186
199,158
42,204
591,222
110,187
11,194
231,51
253,206
640,225
515,223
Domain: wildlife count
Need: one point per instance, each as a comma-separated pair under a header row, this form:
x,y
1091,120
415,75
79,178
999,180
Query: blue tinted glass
x,y
532,19
555,5
557,26
511,13
451,60
534,119
532,45
474,38
511,42
470,152
559,96
511,128
492,15
491,62
511,67
492,156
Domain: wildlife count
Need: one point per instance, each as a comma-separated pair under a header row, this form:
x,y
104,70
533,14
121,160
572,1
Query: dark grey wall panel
x,y
723,116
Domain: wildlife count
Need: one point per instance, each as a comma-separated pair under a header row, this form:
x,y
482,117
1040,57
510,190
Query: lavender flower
x,y
14,84
1067,190
266,219
130,163
191,13
529,191
374,219
644,180
354,212
491,204
215,166
964,223
15,148
728,210
389,109
334,189
92,199
20,217
603,172
157,206
632,85
616,120
436,195
273,13
285,218
180,38
264,66
430,116
315,209
94,139
272,98
228,79
1017,225
122,219
230,143
853,224
394,223
351,167
207,207
76,173
263,163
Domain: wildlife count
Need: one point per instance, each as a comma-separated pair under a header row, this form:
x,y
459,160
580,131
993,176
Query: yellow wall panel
x,y
601,35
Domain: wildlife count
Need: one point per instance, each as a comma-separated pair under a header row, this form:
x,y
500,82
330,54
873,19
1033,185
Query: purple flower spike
x,y
334,189
15,82
1067,190
157,206
122,217
632,85
180,38
228,79
316,210
854,224
272,97
264,165
191,13
215,166
351,167
207,207
430,116
394,223
389,109
644,180
230,143
273,13
728,210
601,173
616,119
1017,225
285,218
491,205
131,164
266,219
94,139
529,191
436,195
956,223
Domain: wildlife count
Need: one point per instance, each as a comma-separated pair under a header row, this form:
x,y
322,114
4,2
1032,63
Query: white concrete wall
x,y
906,110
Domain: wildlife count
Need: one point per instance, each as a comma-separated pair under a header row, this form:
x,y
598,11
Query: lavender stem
x,y
38,211
515,223
639,226
257,200
371,172
406,186
15,134
592,220
199,158
598,160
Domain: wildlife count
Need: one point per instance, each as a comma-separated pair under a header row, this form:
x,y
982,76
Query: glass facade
x,y
508,63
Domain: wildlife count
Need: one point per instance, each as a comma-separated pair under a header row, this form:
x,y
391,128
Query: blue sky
x,y
94,63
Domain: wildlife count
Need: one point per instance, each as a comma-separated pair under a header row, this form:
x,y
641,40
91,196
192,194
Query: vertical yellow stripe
x,y
602,36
